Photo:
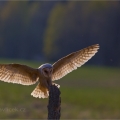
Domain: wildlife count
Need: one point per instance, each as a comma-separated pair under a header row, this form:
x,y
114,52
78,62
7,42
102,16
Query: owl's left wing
x,y
17,73
69,63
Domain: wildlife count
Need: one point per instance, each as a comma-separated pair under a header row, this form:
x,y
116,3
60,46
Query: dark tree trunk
x,y
54,103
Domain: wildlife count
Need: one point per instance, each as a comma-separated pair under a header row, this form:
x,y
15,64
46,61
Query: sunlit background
x,y
36,32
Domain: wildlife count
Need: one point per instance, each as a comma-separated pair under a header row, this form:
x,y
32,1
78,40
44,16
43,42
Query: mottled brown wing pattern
x,y
69,63
16,73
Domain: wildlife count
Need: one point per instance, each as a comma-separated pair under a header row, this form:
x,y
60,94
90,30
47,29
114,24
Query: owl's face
x,y
46,70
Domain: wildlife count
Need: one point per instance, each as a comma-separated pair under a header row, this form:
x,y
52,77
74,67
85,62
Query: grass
x,y
87,93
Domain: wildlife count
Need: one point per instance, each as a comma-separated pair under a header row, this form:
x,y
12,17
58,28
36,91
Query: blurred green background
x,y
35,32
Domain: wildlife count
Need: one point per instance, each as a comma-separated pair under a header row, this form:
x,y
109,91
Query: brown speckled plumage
x,y
46,73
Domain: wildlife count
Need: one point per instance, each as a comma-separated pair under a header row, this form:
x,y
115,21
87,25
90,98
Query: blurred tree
x,y
37,29
54,30
22,28
74,25
16,25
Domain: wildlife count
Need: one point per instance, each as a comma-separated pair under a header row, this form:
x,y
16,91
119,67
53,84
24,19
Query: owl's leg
x,y
56,85
40,92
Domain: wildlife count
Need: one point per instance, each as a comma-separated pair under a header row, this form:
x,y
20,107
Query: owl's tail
x,y
40,92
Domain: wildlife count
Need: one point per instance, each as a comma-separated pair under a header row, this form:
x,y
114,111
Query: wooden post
x,y
54,103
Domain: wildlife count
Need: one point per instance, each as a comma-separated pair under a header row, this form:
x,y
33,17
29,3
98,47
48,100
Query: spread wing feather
x,y
70,62
16,73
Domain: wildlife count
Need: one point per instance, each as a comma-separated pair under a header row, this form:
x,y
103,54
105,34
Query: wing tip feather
x,y
93,49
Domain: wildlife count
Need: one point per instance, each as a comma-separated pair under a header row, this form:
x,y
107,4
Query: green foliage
x,y
74,25
20,31
40,30
54,30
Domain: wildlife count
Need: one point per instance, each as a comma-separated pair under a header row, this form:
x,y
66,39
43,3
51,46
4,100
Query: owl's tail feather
x,y
40,92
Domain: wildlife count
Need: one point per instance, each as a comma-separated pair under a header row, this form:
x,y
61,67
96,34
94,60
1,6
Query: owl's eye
x,y
46,71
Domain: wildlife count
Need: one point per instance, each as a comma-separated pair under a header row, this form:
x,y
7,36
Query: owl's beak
x,y
50,73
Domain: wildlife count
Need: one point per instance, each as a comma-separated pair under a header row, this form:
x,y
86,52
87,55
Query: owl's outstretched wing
x,y
70,62
20,74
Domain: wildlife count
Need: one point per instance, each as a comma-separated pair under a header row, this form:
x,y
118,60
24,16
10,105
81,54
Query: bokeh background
x,y
35,32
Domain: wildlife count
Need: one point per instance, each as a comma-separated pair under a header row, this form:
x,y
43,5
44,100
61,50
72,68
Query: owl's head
x,y
46,70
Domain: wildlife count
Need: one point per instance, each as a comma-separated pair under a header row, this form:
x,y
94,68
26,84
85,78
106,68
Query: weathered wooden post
x,y
54,109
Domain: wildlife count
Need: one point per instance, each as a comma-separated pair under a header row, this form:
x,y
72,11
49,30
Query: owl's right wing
x,y
17,73
70,62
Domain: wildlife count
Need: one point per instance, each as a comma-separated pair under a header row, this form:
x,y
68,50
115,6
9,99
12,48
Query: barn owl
x,y
46,73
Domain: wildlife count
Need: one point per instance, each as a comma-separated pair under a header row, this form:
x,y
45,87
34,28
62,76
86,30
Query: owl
x,y
46,73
